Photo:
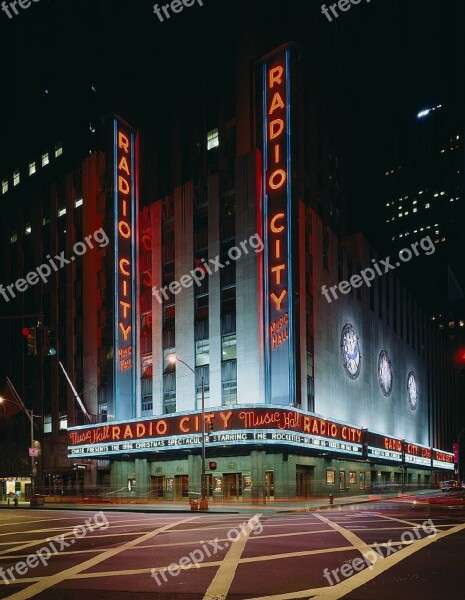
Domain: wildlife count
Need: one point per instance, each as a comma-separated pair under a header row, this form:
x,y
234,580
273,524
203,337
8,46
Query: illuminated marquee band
x,y
243,424
248,425
274,106
125,211
443,460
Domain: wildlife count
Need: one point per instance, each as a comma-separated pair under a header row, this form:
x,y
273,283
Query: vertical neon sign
x,y
125,211
277,228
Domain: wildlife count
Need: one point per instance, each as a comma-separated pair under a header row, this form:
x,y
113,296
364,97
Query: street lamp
x,y
173,359
30,415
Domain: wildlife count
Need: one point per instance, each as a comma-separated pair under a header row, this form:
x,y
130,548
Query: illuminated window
x,y
229,382
229,392
228,347
78,202
213,140
4,186
14,237
16,177
32,167
415,210
427,205
45,159
63,421
27,229
58,149
47,423
61,212
202,353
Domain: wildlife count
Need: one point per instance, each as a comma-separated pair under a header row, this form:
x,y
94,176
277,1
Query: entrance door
x,y
157,488
304,480
269,485
232,486
181,487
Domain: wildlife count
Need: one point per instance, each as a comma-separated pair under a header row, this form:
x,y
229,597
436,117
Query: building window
x,y
229,382
27,229
147,405
63,421
229,392
202,353
78,202
199,373
16,177
45,159
4,186
169,393
61,212
228,347
212,139
330,477
14,237
32,167
58,149
47,423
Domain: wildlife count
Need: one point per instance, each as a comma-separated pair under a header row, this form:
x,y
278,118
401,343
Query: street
x,y
366,551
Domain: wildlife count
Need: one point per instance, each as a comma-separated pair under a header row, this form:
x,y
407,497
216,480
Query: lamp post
x,y
173,359
458,459
30,415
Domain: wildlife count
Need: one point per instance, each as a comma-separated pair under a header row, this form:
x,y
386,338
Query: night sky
x,y
396,57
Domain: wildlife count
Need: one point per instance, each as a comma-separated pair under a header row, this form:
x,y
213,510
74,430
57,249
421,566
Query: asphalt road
x,y
370,551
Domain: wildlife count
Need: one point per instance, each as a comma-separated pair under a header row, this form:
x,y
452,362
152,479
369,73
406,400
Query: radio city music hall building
x,y
304,397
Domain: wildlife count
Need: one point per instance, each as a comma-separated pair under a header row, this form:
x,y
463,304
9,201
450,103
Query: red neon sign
x,y
125,234
277,177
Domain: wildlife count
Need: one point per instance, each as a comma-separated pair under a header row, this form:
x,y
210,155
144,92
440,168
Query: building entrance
x,y
304,481
232,486
181,487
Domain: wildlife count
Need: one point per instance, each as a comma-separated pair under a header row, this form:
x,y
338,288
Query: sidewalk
x,y
239,507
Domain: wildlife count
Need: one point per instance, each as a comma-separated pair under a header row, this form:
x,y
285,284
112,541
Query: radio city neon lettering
x,y
276,180
392,444
125,234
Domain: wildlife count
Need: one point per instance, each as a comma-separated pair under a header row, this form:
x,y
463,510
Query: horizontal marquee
x,y
277,423
443,460
250,425
383,447
416,454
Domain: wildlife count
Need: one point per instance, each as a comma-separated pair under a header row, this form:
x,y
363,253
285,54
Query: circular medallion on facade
x,y
385,373
412,390
350,351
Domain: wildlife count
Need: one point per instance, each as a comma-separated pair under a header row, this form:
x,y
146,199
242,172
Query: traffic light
x,y
209,427
212,465
50,342
31,334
